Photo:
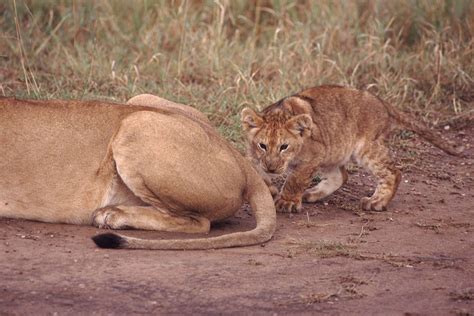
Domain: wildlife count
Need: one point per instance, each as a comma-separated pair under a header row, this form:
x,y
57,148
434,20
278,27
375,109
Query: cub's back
x,y
346,112
347,105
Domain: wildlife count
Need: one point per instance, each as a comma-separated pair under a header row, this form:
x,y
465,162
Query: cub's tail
x,y
262,205
421,129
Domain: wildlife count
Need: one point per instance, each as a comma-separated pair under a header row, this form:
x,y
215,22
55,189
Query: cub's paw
x,y
373,204
313,195
285,204
108,218
273,190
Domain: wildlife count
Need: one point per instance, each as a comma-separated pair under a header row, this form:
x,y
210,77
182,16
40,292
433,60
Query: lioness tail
x,y
262,205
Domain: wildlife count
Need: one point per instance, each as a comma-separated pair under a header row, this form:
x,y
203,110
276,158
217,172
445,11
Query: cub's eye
x,y
262,146
283,147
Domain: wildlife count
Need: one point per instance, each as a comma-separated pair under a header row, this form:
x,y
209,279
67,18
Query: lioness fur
x,y
152,164
320,130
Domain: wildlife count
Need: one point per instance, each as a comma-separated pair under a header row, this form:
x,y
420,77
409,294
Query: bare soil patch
x,y
416,258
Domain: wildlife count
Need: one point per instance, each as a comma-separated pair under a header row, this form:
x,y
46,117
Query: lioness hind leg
x,y
149,218
375,158
332,181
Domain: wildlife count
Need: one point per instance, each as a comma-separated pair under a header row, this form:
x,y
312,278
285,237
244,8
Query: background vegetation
x,y
220,56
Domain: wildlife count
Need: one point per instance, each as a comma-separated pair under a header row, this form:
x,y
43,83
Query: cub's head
x,y
276,138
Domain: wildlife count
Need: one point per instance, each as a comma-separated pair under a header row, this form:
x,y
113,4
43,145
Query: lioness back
x,y
62,146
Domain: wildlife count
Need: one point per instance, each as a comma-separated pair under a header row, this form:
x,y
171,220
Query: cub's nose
x,y
271,167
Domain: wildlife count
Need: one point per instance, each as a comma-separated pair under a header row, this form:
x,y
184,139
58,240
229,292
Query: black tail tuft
x,y
109,240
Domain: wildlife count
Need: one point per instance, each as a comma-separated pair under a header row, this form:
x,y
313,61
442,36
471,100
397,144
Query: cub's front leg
x,y
268,181
266,178
290,197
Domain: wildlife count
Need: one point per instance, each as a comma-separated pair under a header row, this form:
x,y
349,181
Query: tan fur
x,y
153,164
321,129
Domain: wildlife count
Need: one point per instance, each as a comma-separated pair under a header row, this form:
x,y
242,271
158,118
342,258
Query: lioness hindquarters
x,y
153,156
181,168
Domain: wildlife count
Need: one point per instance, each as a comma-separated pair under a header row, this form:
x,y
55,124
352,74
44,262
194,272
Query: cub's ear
x,y
250,119
300,124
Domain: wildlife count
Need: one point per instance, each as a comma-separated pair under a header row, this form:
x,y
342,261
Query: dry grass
x,y
321,248
348,289
223,55
463,295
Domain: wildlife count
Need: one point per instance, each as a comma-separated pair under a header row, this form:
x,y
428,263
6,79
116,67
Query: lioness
x,y
321,129
153,165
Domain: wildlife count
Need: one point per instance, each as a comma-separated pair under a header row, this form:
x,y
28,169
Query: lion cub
x,y
320,130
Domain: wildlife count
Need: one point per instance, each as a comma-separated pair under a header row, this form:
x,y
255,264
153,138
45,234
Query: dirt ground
x,y
416,258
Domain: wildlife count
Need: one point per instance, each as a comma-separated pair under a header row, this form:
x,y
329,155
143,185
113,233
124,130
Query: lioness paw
x,y
107,218
288,205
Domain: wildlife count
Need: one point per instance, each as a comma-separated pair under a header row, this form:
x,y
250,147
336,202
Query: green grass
x,y
220,56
